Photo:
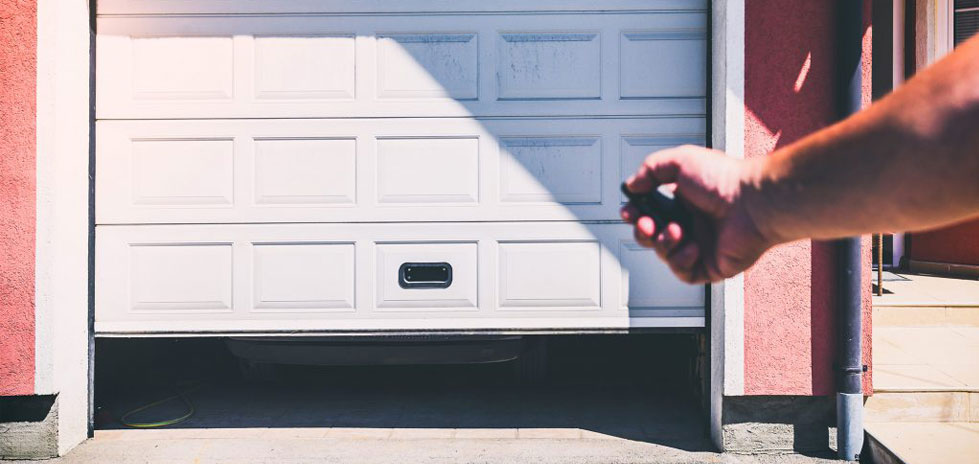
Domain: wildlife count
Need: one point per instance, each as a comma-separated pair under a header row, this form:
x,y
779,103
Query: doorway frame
x,y
64,253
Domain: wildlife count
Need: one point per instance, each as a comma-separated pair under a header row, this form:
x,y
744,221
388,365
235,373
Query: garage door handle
x,y
425,275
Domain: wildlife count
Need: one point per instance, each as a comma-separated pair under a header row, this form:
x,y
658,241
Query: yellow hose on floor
x,y
182,396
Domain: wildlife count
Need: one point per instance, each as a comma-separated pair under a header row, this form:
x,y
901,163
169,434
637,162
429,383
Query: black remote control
x,y
663,208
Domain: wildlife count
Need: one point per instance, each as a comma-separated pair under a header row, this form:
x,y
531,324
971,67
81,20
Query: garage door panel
x,y
345,277
245,171
305,171
272,167
400,65
303,277
178,277
122,7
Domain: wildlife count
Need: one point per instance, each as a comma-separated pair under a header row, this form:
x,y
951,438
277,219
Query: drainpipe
x,y
849,397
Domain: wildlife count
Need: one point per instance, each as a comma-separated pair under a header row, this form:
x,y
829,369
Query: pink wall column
x,y
789,93
18,53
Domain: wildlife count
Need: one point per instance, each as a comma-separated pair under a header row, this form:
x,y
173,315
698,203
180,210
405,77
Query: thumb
x,y
661,167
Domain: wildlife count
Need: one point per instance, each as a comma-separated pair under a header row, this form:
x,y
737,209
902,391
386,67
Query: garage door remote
x,y
662,207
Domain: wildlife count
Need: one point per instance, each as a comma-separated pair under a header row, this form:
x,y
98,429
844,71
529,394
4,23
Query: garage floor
x,y
610,399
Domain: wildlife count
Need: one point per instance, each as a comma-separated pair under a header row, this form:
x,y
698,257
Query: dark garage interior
x,y
644,388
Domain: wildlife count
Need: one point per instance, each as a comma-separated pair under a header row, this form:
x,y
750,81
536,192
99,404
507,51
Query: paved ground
x,y
928,291
926,370
611,400
245,446
930,442
926,358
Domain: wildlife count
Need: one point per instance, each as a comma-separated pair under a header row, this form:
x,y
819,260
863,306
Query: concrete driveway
x,y
614,399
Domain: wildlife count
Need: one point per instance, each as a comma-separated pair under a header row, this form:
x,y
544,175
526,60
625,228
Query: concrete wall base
x,y
947,269
28,427
778,424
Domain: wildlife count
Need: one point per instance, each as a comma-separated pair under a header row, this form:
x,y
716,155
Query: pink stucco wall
x,y
956,244
789,92
18,46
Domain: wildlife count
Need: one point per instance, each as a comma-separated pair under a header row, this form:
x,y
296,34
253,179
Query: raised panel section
x,y
304,67
633,151
184,277
183,172
428,66
305,171
551,169
460,294
543,274
661,64
427,170
648,283
303,276
182,68
644,62
337,278
549,65
373,170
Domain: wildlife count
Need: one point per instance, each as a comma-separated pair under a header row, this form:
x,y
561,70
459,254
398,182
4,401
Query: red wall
x,y
789,92
18,47
958,244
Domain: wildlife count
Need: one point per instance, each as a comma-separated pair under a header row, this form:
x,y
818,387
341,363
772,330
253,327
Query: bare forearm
x,y
909,162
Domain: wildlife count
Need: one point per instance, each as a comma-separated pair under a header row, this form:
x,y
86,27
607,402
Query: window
x,y
966,20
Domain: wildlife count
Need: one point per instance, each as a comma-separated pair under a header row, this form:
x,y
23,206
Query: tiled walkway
x,y
925,408
926,358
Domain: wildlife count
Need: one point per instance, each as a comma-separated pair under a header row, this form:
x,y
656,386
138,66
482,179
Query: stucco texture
x,y
956,244
18,46
789,294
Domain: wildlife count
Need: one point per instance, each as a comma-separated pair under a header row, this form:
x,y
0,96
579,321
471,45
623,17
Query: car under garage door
x,y
286,167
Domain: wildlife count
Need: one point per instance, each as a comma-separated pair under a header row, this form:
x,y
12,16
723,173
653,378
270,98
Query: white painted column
x,y
62,252
727,130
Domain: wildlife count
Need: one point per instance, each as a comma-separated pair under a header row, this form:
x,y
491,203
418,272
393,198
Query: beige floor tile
x,y
929,291
925,345
909,317
974,407
967,374
918,407
930,443
887,350
958,316
888,377
971,334
501,433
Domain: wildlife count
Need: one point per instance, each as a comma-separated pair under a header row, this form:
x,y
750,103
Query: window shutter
x,y
966,19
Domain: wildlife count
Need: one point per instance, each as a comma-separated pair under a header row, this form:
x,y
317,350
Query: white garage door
x,y
354,165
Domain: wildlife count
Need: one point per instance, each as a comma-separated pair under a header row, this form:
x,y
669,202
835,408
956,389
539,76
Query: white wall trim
x,y
727,131
62,251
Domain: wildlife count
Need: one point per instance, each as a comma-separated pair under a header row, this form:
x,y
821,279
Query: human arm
x,y
909,162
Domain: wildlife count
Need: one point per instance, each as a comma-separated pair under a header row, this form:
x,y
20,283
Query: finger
x,y
669,238
629,213
646,226
642,239
661,167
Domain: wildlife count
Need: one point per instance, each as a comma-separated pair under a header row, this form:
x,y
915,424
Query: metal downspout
x,y
849,397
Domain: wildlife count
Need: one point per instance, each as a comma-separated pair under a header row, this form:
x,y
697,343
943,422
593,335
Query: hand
x,y
724,239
